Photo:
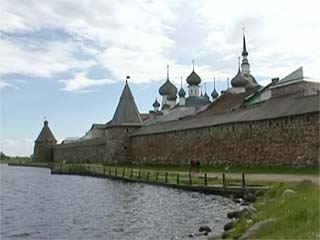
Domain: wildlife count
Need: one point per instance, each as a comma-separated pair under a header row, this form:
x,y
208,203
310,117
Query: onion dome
x,y
167,88
156,103
206,96
182,92
193,78
172,97
214,94
239,80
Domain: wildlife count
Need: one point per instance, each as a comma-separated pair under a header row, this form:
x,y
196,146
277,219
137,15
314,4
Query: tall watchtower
x,y
125,121
44,144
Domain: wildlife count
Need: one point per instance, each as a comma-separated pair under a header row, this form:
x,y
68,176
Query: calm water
x,y
37,205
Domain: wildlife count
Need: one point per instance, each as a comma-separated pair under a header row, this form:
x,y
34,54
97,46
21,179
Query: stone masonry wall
x,y
85,151
43,152
290,141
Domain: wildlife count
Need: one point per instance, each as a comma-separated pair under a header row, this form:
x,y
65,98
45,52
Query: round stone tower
x,y
44,144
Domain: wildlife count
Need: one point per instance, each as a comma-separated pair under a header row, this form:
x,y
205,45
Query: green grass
x,y
297,215
16,160
215,169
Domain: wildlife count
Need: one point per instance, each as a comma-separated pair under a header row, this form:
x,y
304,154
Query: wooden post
x,y
131,173
148,176
104,170
116,172
123,172
224,180
139,174
190,179
157,176
178,178
205,179
243,181
166,177
109,170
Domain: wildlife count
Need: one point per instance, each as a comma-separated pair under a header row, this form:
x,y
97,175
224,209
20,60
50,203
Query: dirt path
x,y
270,177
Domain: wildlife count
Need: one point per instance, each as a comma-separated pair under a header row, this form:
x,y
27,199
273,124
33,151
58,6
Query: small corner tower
x,y
44,144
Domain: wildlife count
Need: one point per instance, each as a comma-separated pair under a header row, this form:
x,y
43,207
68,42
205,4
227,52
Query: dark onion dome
x,y
193,78
172,97
239,80
251,79
214,94
168,89
182,92
156,103
206,96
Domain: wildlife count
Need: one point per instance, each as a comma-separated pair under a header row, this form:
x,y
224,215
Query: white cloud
x,y
281,35
6,84
17,147
81,83
134,37
44,61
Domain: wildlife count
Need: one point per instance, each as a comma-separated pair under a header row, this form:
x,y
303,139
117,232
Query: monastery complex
x,y
245,125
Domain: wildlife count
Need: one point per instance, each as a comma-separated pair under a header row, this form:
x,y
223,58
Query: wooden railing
x,y
180,178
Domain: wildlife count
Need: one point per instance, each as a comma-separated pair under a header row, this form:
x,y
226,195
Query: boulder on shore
x,y
252,231
250,197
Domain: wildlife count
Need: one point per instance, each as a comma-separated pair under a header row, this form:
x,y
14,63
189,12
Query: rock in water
x,y
205,229
229,226
234,214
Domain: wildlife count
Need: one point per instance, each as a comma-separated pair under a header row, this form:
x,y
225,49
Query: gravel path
x,y
270,177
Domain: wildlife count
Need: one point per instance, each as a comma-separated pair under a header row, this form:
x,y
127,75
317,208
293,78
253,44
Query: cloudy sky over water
x,y
67,60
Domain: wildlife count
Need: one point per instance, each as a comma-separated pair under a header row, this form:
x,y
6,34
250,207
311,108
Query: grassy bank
x,y
296,214
215,169
16,160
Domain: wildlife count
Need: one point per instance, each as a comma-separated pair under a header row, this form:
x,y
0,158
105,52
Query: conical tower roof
x,y
46,135
127,112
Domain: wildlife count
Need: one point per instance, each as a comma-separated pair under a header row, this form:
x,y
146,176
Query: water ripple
x,y
37,205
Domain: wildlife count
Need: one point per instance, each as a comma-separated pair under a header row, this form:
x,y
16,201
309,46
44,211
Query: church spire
x,y
244,48
245,66
214,93
168,72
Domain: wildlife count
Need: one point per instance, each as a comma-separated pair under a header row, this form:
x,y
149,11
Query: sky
x,y
67,60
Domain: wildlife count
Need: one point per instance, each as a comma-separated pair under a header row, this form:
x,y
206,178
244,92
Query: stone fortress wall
x,y
289,141
82,152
